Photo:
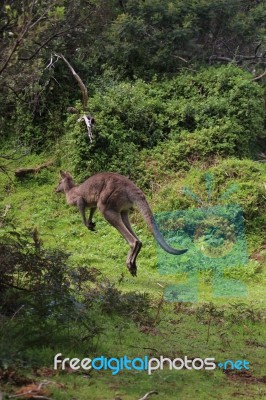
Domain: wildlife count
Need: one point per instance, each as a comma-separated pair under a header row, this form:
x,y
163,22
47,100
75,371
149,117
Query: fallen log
x,y
21,172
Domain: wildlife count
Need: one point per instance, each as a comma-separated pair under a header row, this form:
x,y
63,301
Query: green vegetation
x,y
86,303
177,92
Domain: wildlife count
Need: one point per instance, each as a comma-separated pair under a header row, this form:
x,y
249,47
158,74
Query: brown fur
x,y
114,195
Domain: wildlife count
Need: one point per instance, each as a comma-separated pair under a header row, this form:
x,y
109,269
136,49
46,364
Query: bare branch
x,y
28,25
220,58
88,121
182,59
260,76
147,395
83,88
240,58
16,312
15,46
41,46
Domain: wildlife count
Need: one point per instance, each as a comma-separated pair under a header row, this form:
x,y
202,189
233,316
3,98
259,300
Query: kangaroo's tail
x,y
146,212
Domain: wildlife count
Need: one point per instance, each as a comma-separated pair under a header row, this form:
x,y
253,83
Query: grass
x,y
224,328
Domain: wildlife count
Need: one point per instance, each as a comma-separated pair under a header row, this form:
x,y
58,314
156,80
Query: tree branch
x,y
15,46
28,24
55,35
41,46
83,88
260,76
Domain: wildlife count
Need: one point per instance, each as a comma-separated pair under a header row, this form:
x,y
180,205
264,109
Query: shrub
x,y
216,112
45,302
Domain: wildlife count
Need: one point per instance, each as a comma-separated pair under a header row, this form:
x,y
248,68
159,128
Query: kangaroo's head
x,y
65,183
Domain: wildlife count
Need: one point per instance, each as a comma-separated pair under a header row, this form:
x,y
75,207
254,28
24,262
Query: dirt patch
x,y
244,376
255,343
13,377
259,255
150,330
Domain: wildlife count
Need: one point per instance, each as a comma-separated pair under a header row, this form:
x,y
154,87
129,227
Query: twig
x,y
260,76
147,395
16,312
35,396
13,286
182,59
32,392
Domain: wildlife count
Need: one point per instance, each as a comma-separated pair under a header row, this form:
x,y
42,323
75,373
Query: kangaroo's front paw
x,y
91,225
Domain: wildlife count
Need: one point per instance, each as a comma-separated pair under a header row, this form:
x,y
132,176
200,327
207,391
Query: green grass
x,y
233,329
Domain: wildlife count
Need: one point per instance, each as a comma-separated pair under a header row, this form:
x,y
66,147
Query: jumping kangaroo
x,y
114,195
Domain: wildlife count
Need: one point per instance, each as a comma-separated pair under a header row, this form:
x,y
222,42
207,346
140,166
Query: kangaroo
x,y
114,195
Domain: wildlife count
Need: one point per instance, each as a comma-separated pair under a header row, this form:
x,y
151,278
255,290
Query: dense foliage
x,y
175,122
122,39
177,91
43,300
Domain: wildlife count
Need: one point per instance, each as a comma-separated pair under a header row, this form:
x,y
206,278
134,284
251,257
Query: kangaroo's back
x,y
111,189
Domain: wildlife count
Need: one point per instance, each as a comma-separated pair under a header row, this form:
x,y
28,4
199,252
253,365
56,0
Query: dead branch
x,y
239,59
89,122
260,76
25,395
147,395
220,58
86,118
83,88
21,172
36,392
16,312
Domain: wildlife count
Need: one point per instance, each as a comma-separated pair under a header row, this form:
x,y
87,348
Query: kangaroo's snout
x,y
58,189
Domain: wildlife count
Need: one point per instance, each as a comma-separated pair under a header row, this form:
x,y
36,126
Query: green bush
x,y
216,112
44,301
230,181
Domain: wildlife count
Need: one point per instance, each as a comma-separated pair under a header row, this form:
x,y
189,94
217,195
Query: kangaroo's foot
x,y
91,225
132,267
132,256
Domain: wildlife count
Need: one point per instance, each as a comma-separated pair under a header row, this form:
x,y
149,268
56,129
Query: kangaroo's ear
x,y
65,174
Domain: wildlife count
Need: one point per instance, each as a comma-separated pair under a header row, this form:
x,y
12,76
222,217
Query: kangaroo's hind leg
x,y
132,256
115,219
90,224
82,209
